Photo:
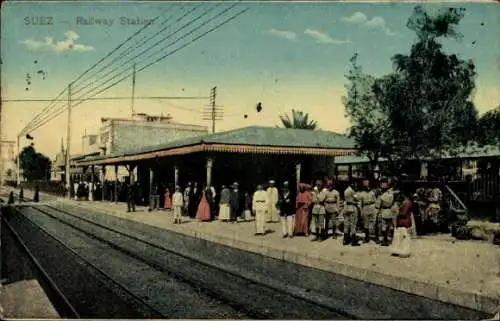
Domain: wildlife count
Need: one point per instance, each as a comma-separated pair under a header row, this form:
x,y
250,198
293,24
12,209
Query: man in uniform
x,y
350,214
260,206
368,211
273,197
332,208
287,211
434,207
318,210
386,201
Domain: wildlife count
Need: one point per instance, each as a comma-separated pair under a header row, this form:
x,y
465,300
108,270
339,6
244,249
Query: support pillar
x,y
298,168
176,175
349,172
210,163
116,184
92,183
423,170
104,189
151,177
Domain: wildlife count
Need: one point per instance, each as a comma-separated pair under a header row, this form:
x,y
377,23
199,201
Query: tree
x,y
299,120
34,165
488,128
425,102
369,122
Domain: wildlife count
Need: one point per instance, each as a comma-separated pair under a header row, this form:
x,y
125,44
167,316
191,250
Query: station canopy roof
x,y
253,139
470,152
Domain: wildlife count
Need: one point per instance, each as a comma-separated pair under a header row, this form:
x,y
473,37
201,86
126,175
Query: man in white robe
x,y
260,205
273,197
177,204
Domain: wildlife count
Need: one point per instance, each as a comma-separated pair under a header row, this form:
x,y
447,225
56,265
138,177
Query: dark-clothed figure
x,y
210,199
21,195
36,198
154,199
194,200
287,211
130,198
235,202
248,207
11,198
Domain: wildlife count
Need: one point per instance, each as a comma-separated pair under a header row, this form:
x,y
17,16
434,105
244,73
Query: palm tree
x,y
299,120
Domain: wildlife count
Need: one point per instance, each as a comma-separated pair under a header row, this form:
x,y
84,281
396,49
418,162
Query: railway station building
x,y
249,156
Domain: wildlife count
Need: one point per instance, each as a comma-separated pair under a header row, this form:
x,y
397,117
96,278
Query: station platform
x,y
26,299
465,273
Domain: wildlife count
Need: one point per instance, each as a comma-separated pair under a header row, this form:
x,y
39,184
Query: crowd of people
x,y
383,213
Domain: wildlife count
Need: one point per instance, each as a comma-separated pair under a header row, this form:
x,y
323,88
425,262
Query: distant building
x,y
120,134
90,144
7,161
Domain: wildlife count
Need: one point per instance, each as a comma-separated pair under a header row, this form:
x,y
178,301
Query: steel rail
x,y
184,279
93,266
61,303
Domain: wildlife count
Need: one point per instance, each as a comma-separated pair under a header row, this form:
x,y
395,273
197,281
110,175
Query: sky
x,y
284,55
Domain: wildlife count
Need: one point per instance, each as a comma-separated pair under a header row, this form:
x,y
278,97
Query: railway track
x,y
246,297
82,289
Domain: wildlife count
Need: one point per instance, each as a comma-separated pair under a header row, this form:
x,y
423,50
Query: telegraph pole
x,y
213,112
132,98
67,167
18,162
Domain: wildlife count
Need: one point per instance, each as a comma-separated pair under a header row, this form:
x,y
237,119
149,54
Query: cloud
x,y
356,18
289,35
57,46
379,23
324,38
374,23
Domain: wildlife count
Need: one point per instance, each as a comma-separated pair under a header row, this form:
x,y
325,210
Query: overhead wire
x,y
151,47
45,110
49,116
148,65
139,43
51,103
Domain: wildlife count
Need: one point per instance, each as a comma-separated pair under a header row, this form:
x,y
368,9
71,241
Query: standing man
x,y
76,188
287,211
130,197
177,203
385,213
36,198
350,216
332,207
368,211
224,209
21,195
318,210
434,207
260,206
90,186
235,202
272,194
187,195
154,199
